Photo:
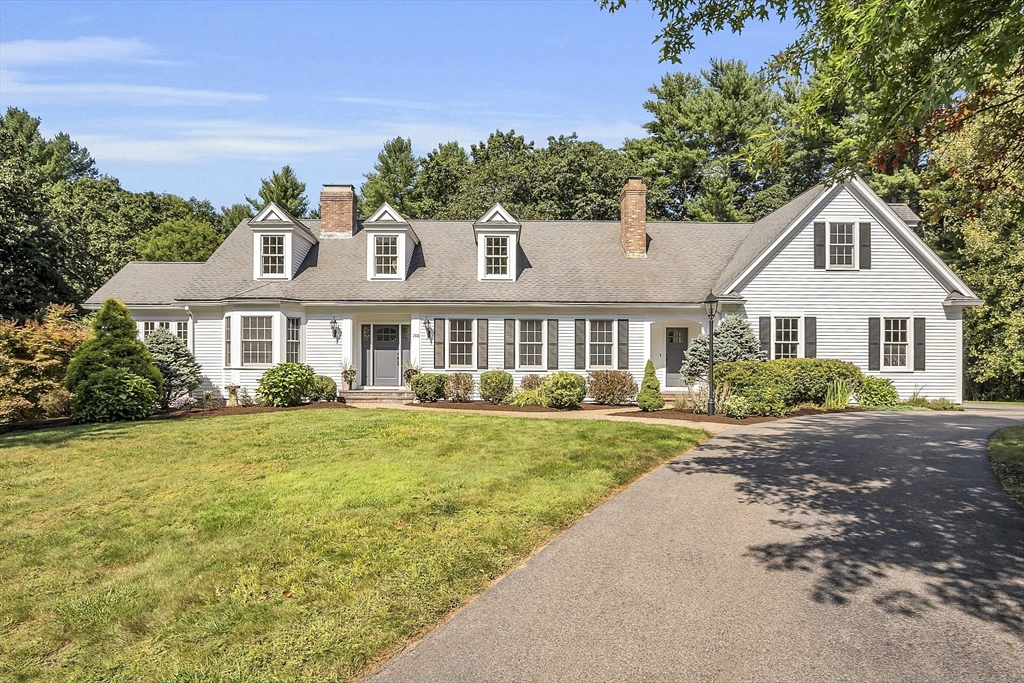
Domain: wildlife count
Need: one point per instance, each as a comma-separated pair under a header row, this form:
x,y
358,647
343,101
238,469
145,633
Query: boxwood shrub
x,y
564,390
286,384
612,387
428,386
774,386
495,386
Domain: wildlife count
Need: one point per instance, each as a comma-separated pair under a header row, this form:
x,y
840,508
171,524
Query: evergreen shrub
x,y
458,387
531,382
176,364
113,394
114,344
737,407
495,386
322,388
564,390
777,385
734,341
286,384
528,397
612,387
650,397
428,386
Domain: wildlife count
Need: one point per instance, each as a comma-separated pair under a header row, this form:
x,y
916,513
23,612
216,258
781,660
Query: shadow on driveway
x,y
921,497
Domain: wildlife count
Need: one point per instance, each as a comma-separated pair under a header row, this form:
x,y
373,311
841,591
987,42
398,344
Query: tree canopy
x,y
393,179
284,189
180,240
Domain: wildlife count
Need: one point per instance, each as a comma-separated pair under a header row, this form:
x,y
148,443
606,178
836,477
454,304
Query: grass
x,y
282,546
1006,451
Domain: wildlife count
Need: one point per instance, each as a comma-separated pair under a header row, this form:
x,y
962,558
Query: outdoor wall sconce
x,y
430,330
335,330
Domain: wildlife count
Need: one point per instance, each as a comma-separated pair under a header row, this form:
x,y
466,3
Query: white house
x,y
835,273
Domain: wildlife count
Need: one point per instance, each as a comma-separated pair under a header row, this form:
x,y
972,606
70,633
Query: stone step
x,y
376,395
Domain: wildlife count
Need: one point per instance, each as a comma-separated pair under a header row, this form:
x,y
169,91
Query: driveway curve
x,y
860,547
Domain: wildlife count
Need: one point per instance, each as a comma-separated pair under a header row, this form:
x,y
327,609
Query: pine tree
x,y
114,344
285,190
393,179
231,216
650,397
734,340
176,364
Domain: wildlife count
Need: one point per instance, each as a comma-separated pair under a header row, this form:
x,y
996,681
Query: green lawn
x,y
1006,450
295,545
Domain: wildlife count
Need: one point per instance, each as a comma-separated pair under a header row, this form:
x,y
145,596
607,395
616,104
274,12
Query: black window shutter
x,y
439,343
810,337
581,345
865,246
819,245
552,344
874,343
510,344
481,344
765,328
919,343
623,344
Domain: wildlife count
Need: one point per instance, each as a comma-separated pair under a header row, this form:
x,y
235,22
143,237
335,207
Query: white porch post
x,y
414,341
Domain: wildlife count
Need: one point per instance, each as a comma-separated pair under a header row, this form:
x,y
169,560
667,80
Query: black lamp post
x,y
711,308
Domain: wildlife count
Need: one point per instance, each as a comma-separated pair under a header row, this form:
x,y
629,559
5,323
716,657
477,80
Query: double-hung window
x,y
840,245
227,342
293,343
272,254
257,340
601,343
460,343
531,343
496,257
787,337
894,350
385,253
150,326
181,331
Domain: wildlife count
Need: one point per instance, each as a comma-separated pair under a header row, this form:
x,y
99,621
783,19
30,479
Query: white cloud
x,y
12,86
32,52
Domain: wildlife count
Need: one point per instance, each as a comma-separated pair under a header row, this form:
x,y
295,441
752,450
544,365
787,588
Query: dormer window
x,y
496,234
497,257
273,254
386,255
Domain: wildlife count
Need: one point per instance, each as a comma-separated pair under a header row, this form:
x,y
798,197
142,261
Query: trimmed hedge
x,y
322,388
428,386
774,386
564,390
612,387
495,386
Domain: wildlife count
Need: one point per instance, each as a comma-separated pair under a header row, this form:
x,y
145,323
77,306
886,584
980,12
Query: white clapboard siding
x,y
323,352
208,340
300,248
897,285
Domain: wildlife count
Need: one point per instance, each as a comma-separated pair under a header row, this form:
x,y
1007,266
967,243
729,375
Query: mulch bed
x,y
676,414
32,425
484,405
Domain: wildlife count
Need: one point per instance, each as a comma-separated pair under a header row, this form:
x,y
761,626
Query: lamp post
x,y
711,308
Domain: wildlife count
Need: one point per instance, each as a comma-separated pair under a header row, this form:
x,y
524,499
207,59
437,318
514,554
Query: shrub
x,y
113,394
787,382
408,372
612,387
428,386
285,384
530,382
495,386
114,344
734,341
877,392
321,388
650,397
458,387
944,404
176,364
838,395
564,390
737,407
34,359
528,397
57,403
245,398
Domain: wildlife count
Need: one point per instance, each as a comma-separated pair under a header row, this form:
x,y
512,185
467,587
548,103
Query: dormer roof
x,y
497,219
274,217
387,217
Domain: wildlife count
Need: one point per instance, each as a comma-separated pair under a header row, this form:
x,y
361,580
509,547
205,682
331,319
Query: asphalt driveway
x,y
863,547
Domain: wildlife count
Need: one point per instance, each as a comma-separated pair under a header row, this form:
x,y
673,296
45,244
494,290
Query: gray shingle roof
x,y
559,262
905,213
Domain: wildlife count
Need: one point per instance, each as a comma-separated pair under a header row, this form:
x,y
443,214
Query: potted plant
x,y
410,370
348,375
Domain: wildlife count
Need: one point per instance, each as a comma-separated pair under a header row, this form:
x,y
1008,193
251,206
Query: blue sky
x,y
204,99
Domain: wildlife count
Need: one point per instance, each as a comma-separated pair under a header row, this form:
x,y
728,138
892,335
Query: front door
x,y
676,339
387,368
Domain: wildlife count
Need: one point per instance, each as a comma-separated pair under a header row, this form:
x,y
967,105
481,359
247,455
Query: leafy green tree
x,y
114,345
58,159
180,240
442,173
899,60
284,189
734,340
501,170
579,180
231,216
177,365
393,179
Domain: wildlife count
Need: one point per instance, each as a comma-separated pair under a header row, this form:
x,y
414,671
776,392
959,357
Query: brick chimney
x,y
633,201
337,211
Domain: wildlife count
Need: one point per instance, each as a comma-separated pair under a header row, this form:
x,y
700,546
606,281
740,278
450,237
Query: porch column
x,y
414,342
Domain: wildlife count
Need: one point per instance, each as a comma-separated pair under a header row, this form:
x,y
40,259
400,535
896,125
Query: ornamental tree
x,y
176,364
734,340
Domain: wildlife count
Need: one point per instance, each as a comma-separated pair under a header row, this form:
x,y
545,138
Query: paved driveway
x,y
864,547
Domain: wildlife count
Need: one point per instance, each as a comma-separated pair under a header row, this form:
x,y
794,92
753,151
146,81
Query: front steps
x,y
376,396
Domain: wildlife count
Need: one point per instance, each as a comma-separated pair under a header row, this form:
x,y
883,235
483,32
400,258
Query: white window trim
x,y
371,268
302,336
258,256
615,343
828,245
909,367
508,257
279,327
481,259
543,345
800,333
448,343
